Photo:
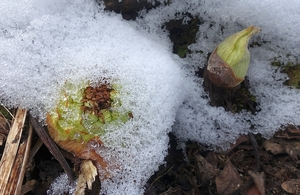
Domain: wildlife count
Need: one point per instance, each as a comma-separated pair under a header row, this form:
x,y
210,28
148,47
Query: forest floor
x,y
270,167
252,166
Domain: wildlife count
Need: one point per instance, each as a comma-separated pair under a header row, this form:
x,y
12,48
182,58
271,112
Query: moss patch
x,y
5,113
292,70
182,34
244,100
294,75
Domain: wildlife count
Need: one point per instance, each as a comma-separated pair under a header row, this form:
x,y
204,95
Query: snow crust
x,y
44,43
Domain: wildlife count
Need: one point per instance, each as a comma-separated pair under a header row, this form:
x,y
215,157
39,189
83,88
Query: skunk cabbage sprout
x,y
81,117
229,62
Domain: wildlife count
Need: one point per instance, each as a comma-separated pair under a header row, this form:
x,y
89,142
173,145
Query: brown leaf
x,y
291,186
205,169
273,147
2,139
293,150
253,190
212,159
259,180
241,139
28,186
289,132
228,180
4,125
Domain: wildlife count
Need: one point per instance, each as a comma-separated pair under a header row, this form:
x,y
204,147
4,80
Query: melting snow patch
x,y
44,44
78,42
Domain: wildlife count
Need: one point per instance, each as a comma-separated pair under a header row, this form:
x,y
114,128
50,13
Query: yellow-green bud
x,y
83,112
82,116
229,62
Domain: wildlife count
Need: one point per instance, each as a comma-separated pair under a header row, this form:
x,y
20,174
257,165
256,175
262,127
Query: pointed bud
x,y
229,62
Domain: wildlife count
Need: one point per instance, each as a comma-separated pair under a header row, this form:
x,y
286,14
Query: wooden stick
x,y
11,148
18,187
35,148
16,170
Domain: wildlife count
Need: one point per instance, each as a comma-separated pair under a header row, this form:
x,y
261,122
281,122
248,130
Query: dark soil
x,y
252,166
198,170
201,171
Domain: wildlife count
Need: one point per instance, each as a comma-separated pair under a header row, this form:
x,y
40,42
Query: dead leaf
x,y
253,190
259,180
86,177
291,147
289,132
241,139
273,147
228,180
205,169
293,150
212,159
28,186
2,139
291,186
4,128
291,129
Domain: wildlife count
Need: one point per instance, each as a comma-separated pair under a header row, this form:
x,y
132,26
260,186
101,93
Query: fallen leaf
x,y
212,159
293,150
205,169
2,139
28,186
259,180
289,132
4,125
253,190
291,186
273,147
228,180
241,139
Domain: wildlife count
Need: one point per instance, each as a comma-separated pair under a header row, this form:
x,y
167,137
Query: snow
x,y
78,43
44,43
279,39
279,104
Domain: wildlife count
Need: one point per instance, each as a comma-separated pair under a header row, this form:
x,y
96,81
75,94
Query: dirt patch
x,y
201,171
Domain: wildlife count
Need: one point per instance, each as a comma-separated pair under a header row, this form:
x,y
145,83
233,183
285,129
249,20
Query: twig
x,y
35,148
160,177
52,147
256,152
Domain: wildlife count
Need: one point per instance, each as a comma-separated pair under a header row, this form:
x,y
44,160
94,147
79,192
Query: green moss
x,y
5,113
243,100
183,34
292,70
